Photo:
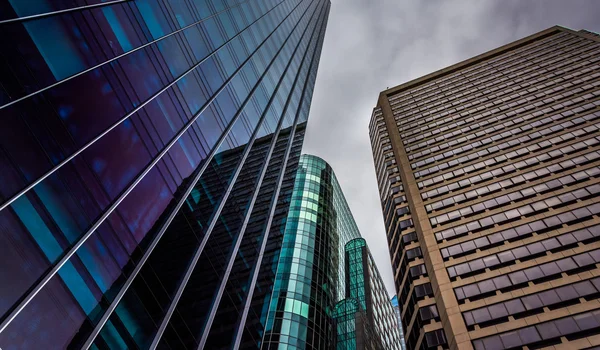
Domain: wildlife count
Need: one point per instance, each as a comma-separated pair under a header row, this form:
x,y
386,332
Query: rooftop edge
x,y
484,56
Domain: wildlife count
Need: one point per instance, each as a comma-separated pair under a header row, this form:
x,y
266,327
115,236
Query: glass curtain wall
x,y
306,286
323,260
147,150
374,321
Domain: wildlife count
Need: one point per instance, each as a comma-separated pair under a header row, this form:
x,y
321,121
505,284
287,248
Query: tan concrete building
x,y
488,172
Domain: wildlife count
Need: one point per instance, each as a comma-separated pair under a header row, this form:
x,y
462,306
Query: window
x,y
547,271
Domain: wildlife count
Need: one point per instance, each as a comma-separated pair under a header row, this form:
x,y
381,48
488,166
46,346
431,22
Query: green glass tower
x,y
366,318
326,290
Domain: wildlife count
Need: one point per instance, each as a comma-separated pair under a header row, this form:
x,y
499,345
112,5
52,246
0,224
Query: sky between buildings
x,y
371,45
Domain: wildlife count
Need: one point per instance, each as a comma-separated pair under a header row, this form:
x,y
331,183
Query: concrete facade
x,y
488,175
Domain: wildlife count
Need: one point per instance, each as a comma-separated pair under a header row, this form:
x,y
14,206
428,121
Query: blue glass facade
x,y
307,283
328,293
147,153
365,319
396,307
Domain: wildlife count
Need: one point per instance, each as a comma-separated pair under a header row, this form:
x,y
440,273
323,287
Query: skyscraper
x,y
487,173
148,151
396,307
324,267
365,319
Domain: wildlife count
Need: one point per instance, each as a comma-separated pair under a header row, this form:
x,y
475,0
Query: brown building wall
x,y
488,172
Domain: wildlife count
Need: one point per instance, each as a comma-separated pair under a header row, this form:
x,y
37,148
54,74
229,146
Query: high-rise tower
x,y
488,175
365,319
328,291
396,307
148,150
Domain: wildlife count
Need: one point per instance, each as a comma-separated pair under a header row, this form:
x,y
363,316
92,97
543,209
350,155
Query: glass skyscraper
x,y
148,150
396,307
365,319
328,292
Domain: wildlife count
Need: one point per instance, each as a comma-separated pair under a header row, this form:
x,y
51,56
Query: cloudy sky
x,y
374,44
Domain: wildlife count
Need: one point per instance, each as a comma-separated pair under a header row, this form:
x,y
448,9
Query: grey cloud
x,y
371,45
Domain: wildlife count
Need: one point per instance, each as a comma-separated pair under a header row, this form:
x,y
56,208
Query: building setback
x,y
148,151
328,293
488,175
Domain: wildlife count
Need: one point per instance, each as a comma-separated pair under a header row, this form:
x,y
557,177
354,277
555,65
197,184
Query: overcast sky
x,y
374,44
